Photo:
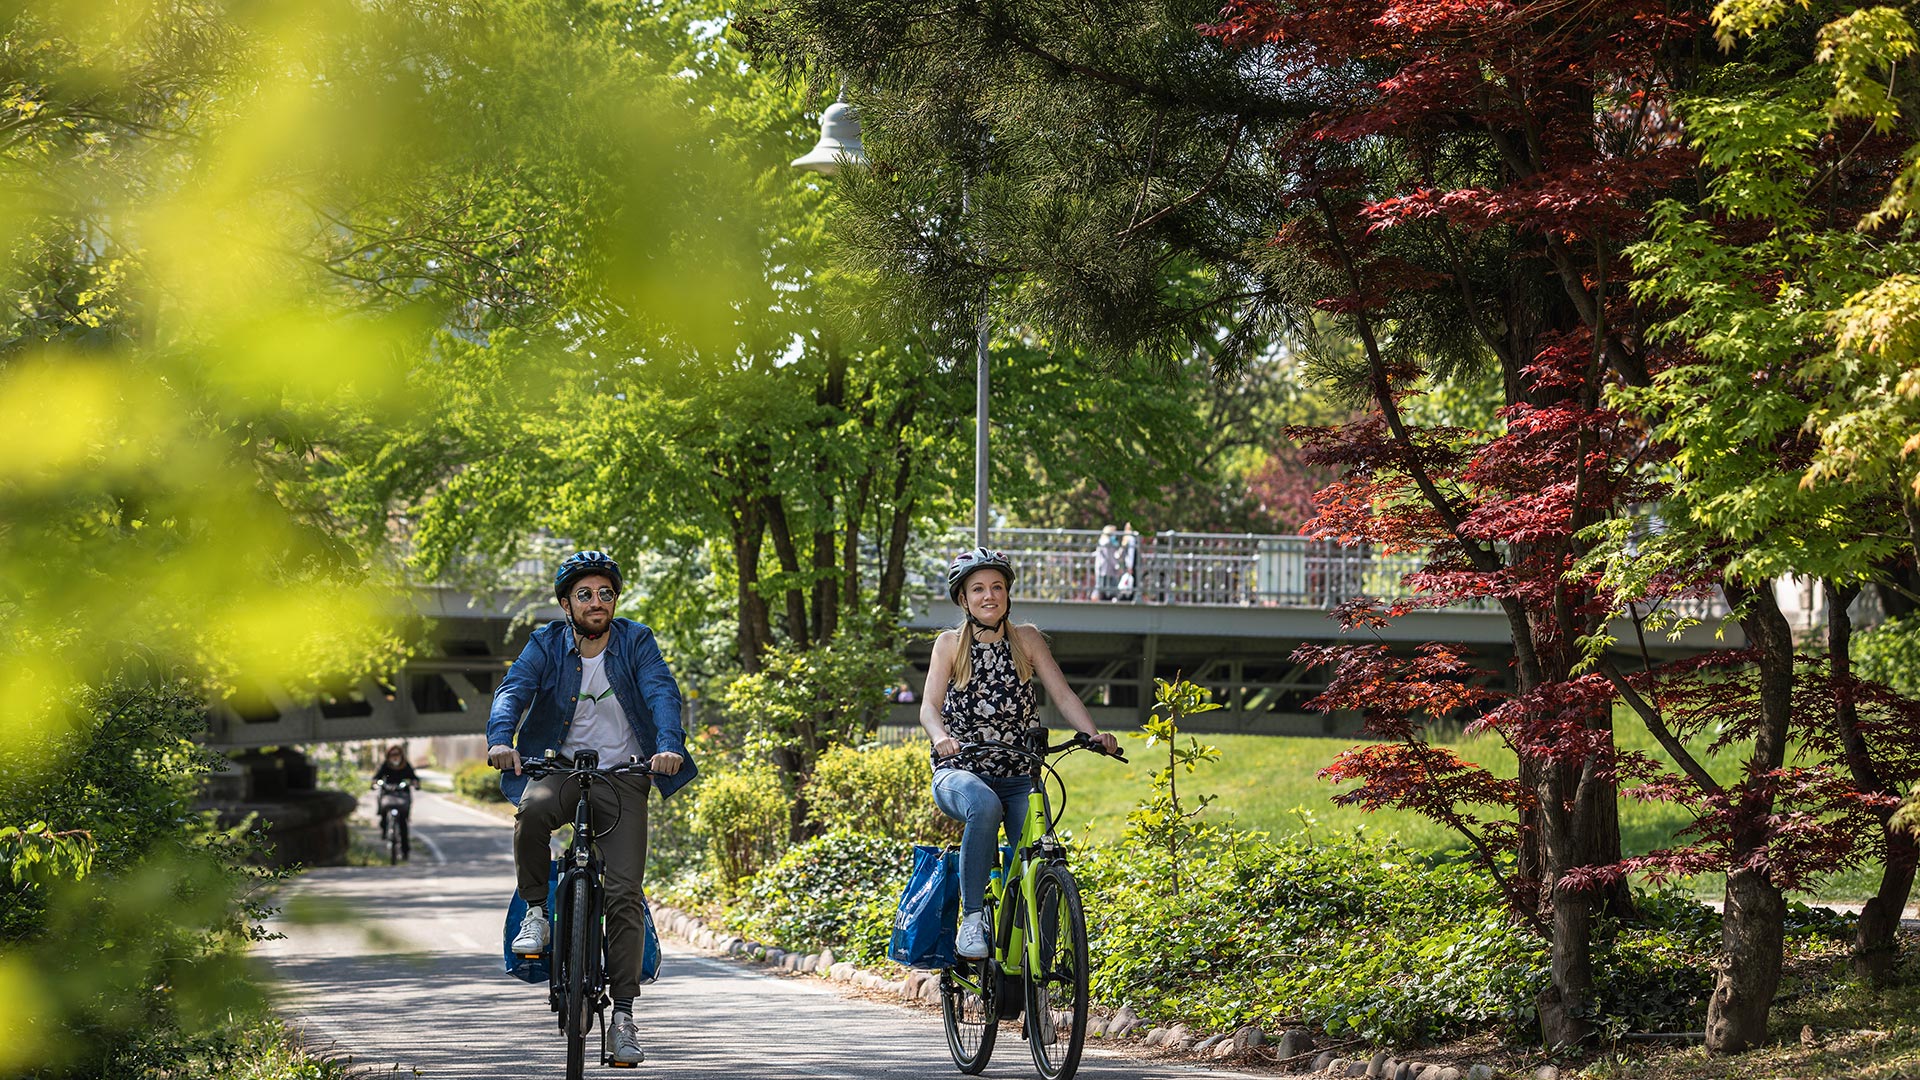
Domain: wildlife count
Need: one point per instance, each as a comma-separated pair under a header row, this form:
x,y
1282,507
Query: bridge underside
x,y
1110,653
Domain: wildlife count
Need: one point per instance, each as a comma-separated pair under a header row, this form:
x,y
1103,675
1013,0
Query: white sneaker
x,y
626,1041
535,932
971,941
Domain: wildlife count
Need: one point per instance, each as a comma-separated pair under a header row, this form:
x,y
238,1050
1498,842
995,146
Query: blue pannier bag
x,y
923,930
534,969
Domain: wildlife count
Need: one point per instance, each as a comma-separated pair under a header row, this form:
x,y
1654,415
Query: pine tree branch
x,y
1226,159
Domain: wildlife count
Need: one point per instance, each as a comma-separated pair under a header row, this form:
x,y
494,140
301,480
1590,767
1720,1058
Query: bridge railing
x,y
1243,569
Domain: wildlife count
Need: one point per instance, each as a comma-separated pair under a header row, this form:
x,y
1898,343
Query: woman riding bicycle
x,y
396,767
980,689
391,773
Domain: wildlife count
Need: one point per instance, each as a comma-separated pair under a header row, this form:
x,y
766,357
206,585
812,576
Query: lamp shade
x,y
839,142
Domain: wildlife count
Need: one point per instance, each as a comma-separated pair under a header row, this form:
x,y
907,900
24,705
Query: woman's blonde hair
x,y
963,663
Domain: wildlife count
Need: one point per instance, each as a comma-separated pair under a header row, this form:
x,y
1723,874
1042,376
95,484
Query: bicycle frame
x,y
577,860
1038,847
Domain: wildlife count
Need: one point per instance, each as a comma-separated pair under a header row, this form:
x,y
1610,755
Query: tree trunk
x,y
790,563
1874,946
1752,937
826,586
1564,816
790,763
856,519
754,632
1597,830
893,572
1564,1003
1753,923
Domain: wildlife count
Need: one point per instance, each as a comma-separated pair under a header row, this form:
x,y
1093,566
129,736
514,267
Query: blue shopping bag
x,y
531,969
923,930
534,969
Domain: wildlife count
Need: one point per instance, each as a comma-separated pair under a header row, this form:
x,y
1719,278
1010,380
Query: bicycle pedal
x,y
531,955
623,1064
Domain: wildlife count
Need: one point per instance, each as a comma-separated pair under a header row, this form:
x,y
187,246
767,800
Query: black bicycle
x,y
395,803
577,979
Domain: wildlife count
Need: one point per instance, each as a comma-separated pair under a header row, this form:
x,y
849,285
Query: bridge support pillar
x,y
1149,659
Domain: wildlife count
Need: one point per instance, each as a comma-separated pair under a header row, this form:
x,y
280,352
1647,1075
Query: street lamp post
x,y
840,145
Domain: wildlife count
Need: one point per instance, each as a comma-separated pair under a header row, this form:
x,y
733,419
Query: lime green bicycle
x,y
1038,963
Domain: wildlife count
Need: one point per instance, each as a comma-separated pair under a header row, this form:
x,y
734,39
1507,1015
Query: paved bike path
x,y
404,975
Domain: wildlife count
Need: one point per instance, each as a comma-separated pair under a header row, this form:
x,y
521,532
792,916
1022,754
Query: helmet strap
x,y
580,635
976,626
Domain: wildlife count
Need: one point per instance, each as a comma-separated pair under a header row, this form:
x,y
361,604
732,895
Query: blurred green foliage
x,y
238,241
133,962
479,781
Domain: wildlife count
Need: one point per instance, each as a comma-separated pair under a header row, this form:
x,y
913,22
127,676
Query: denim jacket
x,y
544,682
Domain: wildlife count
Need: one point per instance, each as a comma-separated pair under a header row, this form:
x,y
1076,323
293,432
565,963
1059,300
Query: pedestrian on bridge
x,y
590,681
980,689
1106,566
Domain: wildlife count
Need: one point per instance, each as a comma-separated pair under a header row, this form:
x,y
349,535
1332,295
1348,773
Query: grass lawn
x,y
1271,783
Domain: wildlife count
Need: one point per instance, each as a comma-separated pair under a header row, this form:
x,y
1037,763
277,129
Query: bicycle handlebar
x,y
1080,741
538,768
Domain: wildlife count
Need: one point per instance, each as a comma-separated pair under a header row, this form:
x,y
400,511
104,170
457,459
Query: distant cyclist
x,y
590,681
980,689
394,770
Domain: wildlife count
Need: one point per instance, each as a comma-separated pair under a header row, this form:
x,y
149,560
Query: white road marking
x,y
449,804
433,849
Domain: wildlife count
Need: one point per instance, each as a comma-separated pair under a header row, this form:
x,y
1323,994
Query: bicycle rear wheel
x,y
1057,987
970,1007
577,1012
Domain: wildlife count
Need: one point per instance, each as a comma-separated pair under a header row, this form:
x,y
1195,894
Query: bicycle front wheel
x,y
393,837
1057,985
577,1012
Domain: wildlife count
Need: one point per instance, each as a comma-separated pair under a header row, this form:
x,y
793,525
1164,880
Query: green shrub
x,y
840,890
880,791
1358,936
478,781
744,815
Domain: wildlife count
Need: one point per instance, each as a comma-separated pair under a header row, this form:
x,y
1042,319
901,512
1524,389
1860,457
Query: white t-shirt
x,y
599,723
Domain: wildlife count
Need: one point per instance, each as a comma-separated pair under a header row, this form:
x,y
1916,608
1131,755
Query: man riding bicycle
x,y
590,681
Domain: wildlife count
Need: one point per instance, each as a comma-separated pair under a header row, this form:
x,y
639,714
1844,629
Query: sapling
x,y
1159,819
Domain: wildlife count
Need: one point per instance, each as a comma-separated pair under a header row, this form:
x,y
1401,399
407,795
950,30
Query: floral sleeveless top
x,y
994,706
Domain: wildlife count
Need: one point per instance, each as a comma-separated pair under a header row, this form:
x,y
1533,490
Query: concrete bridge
x,y
1223,610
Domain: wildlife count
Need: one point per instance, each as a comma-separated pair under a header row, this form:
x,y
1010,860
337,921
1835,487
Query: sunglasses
x,y
584,594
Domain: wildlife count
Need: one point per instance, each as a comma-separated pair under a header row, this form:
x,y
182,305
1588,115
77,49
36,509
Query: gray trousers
x,y
619,802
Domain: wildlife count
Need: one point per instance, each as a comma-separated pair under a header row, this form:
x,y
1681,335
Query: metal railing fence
x,y
1236,569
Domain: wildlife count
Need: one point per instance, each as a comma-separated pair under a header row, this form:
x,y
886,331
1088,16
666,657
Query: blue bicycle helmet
x,y
582,564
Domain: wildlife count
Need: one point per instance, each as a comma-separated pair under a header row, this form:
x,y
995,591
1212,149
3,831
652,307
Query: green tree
x,y
784,465
1768,279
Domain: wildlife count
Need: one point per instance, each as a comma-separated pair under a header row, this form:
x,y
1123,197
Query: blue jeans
x,y
981,803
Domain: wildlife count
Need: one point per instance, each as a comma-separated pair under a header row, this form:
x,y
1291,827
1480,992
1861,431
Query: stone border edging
x,y
923,987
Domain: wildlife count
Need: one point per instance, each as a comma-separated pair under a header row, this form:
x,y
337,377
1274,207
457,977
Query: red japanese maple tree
x,y
1465,185
1462,190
